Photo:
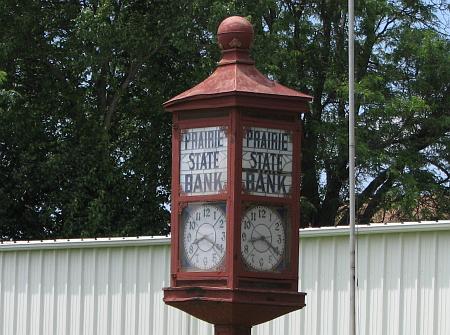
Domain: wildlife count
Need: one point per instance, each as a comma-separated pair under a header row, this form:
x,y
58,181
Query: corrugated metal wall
x,y
403,281
107,287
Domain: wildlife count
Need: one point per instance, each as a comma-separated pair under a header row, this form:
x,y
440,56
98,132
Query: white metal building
x,y
113,286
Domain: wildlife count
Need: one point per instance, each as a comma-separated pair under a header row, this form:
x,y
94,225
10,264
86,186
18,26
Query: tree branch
x,y
111,108
132,74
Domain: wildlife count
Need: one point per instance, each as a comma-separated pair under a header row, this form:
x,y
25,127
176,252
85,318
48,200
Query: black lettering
x,y
272,162
211,139
249,137
188,183
200,140
217,181
207,182
279,162
249,181
260,184
253,160
206,212
191,161
256,140
197,184
263,140
194,140
219,138
266,164
216,159
270,183
203,162
284,142
210,159
274,141
281,185
187,139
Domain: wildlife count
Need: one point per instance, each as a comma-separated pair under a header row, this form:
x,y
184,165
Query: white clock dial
x,y
204,237
263,238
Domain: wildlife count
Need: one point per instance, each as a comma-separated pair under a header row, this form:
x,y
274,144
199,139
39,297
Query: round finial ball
x,y
235,32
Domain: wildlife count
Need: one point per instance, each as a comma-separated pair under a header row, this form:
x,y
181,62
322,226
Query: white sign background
x,y
267,161
203,160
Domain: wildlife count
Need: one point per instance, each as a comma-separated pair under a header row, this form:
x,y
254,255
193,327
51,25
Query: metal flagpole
x,y
351,161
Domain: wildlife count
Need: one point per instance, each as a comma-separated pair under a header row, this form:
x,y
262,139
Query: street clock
x,y
235,192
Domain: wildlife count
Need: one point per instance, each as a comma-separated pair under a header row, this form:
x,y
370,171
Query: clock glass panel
x,y
203,237
265,238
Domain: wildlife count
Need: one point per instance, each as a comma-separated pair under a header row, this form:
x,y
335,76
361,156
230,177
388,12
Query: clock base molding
x,y
233,309
232,330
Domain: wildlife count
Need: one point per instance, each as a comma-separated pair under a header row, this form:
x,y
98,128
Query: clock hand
x,y
197,240
261,237
220,217
274,251
194,252
253,240
215,245
270,245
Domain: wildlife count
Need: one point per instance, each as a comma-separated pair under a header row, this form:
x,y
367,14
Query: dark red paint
x,y
237,96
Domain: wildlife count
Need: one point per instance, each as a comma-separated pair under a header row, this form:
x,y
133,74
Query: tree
x,y
85,144
403,76
86,148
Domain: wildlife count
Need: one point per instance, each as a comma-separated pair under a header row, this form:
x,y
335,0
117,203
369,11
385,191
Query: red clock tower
x,y
236,192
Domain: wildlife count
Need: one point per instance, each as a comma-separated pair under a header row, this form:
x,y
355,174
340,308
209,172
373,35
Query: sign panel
x,y
203,160
267,161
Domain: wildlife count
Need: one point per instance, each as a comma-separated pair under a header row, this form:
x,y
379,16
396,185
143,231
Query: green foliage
x,y
85,144
85,150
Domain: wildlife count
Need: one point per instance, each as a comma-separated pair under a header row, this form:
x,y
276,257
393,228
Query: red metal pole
x,y
232,330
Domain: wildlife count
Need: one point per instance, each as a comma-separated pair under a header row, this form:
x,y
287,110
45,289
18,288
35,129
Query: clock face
x,y
204,238
263,238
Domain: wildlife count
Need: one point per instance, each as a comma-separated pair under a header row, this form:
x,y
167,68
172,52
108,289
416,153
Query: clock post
x,y
236,192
